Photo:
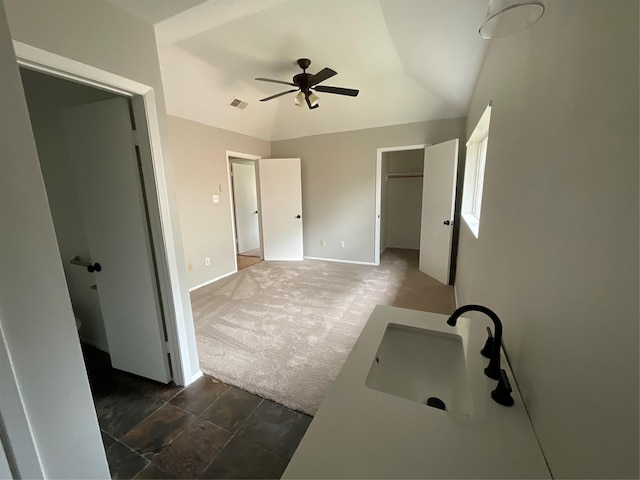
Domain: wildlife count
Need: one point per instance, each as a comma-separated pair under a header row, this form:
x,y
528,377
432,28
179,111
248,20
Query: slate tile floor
x,y
208,430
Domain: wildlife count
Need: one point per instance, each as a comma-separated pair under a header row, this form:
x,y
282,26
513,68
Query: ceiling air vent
x,y
237,103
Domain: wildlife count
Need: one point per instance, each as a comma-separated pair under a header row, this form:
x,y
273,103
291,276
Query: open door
x,y
108,179
281,208
438,201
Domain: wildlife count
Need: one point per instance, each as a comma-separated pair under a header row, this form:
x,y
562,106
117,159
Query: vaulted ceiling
x,y
412,60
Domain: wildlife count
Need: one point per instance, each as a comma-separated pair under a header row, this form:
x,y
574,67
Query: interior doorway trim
x,y
173,295
381,150
244,156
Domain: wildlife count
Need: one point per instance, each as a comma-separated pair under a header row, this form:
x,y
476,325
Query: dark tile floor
x,y
207,430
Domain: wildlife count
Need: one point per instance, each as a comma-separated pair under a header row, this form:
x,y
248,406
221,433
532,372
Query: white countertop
x,y
363,433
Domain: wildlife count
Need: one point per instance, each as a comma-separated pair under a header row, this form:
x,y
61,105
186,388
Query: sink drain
x,y
435,402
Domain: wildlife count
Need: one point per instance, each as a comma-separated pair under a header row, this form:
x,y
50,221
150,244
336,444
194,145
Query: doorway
x,y
401,199
434,235
96,194
279,206
246,219
245,201
93,175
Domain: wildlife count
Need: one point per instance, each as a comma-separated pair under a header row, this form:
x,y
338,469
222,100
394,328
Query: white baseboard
x,y
195,377
339,261
213,280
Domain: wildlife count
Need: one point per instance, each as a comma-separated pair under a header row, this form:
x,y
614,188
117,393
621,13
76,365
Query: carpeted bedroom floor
x,y
282,330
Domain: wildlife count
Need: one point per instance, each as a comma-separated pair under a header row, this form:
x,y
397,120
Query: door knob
x,y
447,222
298,216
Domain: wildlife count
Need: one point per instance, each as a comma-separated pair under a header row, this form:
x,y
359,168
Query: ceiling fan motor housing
x,y
303,80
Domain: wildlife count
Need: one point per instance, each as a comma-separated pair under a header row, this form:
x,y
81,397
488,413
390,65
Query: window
x,y
476,161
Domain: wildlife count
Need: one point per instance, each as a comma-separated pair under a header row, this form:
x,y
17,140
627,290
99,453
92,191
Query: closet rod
x,y
403,175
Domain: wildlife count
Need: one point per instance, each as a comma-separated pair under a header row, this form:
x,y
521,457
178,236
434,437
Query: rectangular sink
x,y
418,364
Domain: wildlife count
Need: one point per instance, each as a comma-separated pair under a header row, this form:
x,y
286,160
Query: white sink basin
x,y
418,364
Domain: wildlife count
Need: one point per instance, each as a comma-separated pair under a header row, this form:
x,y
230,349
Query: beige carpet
x,y
283,330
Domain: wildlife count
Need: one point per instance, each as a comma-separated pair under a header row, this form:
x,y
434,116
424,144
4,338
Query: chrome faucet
x,y
493,369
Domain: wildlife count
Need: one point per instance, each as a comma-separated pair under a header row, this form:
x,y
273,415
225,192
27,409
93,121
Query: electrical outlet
x,y
322,243
341,243
190,267
207,261
216,199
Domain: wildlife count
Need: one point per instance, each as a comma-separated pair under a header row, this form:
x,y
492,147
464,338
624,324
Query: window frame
x,y
475,166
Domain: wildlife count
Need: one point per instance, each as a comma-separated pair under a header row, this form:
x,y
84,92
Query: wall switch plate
x,y
207,261
322,243
341,243
190,267
216,199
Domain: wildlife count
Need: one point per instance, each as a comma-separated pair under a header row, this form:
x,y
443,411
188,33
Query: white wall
x,y
403,203
38,329
201,171
101,35
338,182
47,97
557,254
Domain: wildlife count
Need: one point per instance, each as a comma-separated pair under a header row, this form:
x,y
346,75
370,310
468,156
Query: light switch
x,y
216,199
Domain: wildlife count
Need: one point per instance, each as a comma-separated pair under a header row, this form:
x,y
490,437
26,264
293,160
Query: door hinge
x,y
134,137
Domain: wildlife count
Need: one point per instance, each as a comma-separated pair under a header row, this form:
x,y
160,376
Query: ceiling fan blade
x,y
278,95
322,75
276,81
306,97
339,90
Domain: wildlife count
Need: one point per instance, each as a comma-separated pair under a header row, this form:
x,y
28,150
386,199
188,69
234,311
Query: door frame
x,y
380,151
243,156
174,294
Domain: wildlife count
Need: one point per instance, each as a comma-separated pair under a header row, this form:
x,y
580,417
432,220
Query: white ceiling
x,y
412,60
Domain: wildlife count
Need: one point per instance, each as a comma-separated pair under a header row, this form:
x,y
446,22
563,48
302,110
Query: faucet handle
x,y
502,393
488,346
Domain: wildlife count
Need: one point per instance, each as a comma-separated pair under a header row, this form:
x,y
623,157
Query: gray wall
x,y
557,254
402,205
38,335
338,182
47,97
201,171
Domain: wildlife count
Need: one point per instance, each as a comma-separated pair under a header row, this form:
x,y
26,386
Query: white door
x,y
438,201
107,178
281,208
245,202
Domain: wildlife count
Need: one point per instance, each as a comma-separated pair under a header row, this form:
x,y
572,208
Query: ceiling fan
x,y
306,84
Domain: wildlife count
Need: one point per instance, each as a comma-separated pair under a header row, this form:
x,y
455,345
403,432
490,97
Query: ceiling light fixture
x,y
300,100
508,17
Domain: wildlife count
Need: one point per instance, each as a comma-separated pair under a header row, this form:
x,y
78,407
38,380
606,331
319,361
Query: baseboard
x,y
195,376
212,280
339,261
93,344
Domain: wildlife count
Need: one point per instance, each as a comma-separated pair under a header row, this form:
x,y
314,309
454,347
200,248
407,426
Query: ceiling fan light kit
x,y
307,85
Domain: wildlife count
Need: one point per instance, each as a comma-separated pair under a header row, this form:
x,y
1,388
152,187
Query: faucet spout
x,y
493,369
